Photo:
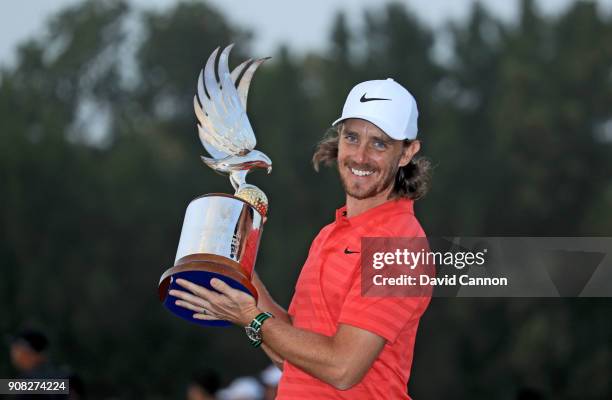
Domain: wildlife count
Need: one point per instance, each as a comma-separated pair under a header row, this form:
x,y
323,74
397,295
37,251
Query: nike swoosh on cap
x,y
364,99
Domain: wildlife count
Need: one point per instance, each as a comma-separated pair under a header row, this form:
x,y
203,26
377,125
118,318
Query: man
x,y
29,356
334,343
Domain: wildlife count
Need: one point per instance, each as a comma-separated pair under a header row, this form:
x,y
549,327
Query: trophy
x,y
221,232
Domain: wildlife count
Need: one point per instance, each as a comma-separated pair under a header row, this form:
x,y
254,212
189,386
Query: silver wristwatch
x,y
253,330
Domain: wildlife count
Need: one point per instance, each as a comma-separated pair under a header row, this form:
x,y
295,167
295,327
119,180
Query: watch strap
x,y
255,328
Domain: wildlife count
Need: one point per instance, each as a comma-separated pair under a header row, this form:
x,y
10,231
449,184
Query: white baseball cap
x,y
386,104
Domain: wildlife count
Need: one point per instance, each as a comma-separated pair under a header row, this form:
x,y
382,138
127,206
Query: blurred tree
x,y
547,81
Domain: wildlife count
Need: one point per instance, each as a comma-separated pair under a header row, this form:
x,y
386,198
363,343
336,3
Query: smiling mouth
x,y
360,172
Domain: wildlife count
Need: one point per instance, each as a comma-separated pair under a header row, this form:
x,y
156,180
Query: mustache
x,y
362,167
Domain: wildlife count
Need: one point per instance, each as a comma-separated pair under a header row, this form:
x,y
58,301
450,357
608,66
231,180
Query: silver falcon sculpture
x,y
224,128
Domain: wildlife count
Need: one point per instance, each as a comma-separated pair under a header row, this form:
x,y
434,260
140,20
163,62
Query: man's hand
x,y
340,360
229,304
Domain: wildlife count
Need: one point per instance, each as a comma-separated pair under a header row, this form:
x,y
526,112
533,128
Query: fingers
x,y
200,291
205,317
192,307
222,287
190,298
222,302
235,295
202,313
200,300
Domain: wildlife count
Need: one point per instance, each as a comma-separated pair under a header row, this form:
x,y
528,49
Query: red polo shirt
x,y
328,293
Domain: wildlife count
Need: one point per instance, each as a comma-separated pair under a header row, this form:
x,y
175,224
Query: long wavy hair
x,y
411,181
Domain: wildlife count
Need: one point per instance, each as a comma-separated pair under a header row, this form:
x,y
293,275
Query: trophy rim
x,y
207,263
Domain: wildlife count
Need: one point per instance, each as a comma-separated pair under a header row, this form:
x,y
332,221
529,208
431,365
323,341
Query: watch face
x,y
253,334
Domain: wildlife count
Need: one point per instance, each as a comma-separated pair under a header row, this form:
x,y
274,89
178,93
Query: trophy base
x,y
200,269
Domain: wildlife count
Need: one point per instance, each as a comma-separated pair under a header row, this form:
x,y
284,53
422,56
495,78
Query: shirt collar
x,y
386,207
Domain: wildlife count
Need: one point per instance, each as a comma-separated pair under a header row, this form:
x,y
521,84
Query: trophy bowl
x,y
219,239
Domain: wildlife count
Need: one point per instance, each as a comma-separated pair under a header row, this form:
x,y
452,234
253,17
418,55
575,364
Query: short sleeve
x,y
384,316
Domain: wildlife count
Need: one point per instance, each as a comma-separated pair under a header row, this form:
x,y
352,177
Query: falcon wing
x,y
224,127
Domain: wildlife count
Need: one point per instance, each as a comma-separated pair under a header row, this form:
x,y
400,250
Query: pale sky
x,y
303,25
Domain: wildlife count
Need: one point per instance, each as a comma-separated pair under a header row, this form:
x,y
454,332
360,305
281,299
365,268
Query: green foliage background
x,y
99,157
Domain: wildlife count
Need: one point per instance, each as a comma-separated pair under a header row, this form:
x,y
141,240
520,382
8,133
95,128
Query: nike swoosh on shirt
x,y
347,251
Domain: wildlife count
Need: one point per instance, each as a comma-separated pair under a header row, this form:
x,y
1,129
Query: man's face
x,y
24,358
368,159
